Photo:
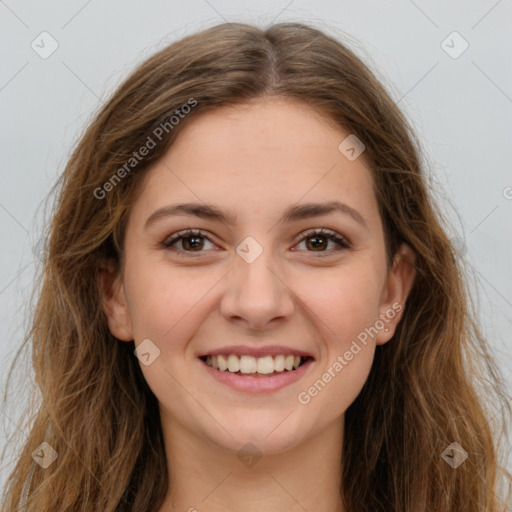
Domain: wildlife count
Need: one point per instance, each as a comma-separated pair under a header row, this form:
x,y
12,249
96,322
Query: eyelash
x,y
323,233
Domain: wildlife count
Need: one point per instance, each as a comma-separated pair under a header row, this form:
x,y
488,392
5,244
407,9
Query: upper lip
x,y
245,350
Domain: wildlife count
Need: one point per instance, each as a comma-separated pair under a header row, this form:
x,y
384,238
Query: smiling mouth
x,y
249,366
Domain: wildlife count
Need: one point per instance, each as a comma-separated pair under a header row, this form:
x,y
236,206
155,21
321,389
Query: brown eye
x,y
318,241
192,242
186,241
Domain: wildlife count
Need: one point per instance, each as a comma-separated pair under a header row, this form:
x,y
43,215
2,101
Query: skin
x,y
254,162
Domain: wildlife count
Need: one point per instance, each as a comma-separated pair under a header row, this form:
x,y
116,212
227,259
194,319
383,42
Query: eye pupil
x,y
198,242
317,245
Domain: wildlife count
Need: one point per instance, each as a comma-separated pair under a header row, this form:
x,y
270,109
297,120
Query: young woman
x,y
249,300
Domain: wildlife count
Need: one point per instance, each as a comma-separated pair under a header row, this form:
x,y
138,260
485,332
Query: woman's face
x,y
257,281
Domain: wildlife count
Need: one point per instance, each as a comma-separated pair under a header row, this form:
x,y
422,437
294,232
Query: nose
x,y
257,293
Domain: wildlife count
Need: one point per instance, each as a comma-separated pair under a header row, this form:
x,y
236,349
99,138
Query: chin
x,y
264,437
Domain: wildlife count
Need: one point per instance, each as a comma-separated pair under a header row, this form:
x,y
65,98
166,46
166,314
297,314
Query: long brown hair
x,y
433,384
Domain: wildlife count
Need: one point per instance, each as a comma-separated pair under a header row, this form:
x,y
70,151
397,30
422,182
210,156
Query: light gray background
x,y
461,108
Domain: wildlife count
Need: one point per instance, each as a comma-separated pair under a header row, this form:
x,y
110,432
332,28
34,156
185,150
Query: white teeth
x,y
249,364
233,363
279,363
222,362
266,365
288,362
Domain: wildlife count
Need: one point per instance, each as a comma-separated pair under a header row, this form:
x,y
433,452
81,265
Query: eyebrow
x,y
292,214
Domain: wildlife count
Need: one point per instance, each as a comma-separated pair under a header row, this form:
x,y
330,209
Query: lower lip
x,y
258,384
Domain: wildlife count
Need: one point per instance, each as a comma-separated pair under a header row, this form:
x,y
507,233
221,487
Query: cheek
x,y
344,300
345,304
166,303
337,384
168,306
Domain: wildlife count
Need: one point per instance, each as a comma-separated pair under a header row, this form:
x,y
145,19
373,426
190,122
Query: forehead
x,y
266,154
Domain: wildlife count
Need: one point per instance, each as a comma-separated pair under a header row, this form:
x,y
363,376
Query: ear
x,y
396,290
113,300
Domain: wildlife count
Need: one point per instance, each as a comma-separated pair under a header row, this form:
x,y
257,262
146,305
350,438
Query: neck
x,y
206,476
